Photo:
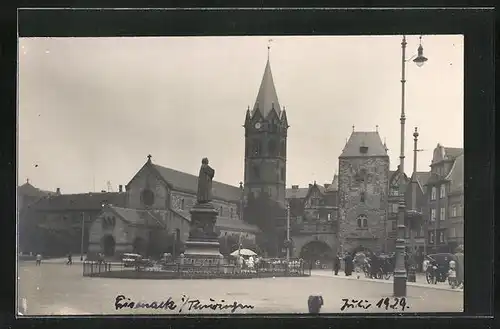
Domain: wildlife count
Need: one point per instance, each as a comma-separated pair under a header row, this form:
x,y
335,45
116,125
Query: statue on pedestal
x,y
205,182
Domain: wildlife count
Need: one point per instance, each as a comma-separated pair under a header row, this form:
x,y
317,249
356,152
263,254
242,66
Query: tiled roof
x,y
267,98
301,192
456,175
334,186
140,217
83,201
370,139
296,193
422,177
393,174
445,153
189,183
29,190
434,178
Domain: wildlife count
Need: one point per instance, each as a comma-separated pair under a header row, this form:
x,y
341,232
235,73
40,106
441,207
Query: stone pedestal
x,y
202,245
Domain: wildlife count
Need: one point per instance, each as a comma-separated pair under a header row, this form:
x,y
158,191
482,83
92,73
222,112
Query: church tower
x,y
266,128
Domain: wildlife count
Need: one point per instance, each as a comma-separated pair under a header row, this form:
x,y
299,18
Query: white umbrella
x,y
243,252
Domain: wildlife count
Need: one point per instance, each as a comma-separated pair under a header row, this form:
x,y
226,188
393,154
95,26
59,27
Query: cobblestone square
x,y
57,289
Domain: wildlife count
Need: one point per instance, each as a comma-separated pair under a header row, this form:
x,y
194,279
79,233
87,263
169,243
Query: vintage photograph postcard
x,y
240,175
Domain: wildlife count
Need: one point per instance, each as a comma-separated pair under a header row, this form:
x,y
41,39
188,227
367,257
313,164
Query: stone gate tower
x,y
266,128
363,187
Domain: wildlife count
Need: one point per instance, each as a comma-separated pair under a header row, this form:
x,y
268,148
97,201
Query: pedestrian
x,y
336,264
359,260
38,259
314,303
348,264
70,259
452,274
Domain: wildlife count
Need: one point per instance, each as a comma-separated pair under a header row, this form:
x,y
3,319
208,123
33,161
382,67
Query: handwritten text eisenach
x,y
186,304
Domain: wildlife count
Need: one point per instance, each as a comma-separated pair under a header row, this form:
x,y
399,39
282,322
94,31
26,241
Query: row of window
x,y
442,192
108,223
440,235
456,210
442,214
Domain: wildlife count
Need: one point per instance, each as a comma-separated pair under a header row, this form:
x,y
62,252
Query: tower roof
x,y
267,98
369,140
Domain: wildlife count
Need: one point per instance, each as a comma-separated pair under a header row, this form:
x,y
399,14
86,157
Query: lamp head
x,y
420,59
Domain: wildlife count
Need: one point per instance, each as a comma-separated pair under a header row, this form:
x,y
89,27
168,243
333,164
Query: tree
x,y
268,216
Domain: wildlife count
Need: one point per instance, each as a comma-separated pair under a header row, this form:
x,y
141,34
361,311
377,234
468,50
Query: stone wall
x,y
185,201
147,179
164,198
351,206
123,234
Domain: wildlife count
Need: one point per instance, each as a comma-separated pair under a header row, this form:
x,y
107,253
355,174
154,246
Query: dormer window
x,y
363,149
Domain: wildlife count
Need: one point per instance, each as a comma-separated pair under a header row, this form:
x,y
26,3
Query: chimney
x,y
295,187
103,191
326,185
58,191
120,188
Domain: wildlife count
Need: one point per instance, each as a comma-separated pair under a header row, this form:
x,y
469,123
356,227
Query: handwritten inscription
x,y
394,303
185,304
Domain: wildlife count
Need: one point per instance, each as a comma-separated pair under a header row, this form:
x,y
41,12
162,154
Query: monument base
x,y
203,245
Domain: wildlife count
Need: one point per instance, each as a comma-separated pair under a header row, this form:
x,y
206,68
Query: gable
x,y
369,141
147,171
314,195
396,178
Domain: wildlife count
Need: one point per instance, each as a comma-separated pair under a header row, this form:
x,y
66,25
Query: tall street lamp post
x,y
399,284
83,234
288,231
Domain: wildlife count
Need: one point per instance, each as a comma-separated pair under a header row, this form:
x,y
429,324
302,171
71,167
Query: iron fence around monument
x,y
180,270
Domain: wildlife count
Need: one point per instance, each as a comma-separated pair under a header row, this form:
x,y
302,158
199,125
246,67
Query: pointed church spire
x,y
267,98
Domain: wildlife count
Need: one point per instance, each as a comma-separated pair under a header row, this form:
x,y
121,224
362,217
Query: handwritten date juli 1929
x,y
393,303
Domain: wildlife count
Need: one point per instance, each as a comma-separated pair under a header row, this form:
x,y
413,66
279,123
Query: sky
x,y
90,110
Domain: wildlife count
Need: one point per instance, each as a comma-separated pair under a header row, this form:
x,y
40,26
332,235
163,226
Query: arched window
x,y
256,148
182,204
231,213
271,147
362,221
148,197
283,173
283,149
362,197
167,201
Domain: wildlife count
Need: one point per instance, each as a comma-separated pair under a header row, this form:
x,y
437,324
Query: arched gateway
x,y
317,251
